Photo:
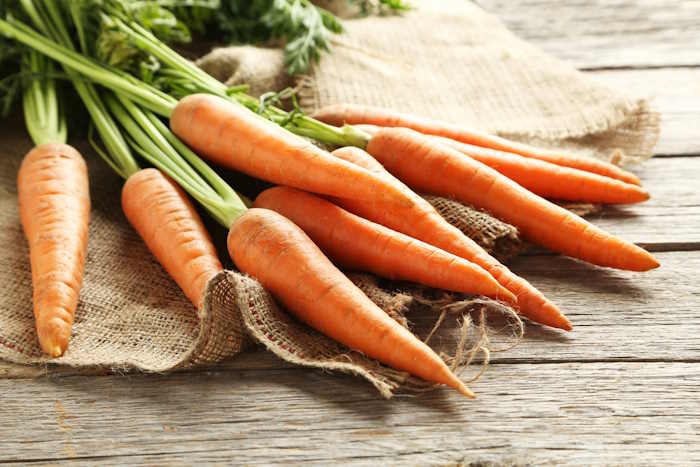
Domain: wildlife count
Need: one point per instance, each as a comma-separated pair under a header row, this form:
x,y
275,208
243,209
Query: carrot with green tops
x,y
231,135
357,114
423,222
354,243
154,205
546,179
288,264
417,161
170,226
550,180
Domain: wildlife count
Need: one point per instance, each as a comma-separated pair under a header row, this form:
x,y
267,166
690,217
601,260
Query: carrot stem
x,y
43,116
118,155
157,101
154,142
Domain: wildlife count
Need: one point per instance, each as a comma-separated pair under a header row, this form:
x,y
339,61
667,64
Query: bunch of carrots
x,y
355,208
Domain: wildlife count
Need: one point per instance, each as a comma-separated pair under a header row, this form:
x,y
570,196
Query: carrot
x,y
546,179
230,135
550,180
416,160
54,207
423,222
287,263
167,222
357,114
354,243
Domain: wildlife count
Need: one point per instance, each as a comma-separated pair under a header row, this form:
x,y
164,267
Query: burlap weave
x,y
449,61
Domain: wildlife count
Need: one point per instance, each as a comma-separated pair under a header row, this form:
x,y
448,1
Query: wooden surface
x,y
623,388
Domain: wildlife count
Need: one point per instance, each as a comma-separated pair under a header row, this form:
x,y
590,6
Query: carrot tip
x,y
465,391
645,262
654,263
56,351
507,296
565,324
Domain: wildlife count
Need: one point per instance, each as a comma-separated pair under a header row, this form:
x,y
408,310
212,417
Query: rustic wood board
x,y
606,412
607,34
675,93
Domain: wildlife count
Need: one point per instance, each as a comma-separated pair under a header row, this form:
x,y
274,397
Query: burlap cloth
x,y
451,61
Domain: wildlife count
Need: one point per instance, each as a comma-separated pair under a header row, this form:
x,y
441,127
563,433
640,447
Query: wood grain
x,y
671,216
675,93
607,33
293,416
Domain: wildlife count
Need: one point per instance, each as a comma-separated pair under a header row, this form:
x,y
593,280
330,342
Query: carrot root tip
x,y
654,262
56,351
465,391
566,324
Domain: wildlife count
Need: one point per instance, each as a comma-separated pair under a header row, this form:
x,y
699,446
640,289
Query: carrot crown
x,y
154,141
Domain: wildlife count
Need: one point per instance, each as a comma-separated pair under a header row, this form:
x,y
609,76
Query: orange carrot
x,y
54,206
232,136
167,222
357,114
423,222
416,160
546,179
550,180
287,263
354,243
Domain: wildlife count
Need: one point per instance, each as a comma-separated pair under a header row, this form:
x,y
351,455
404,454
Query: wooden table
x,y
623,388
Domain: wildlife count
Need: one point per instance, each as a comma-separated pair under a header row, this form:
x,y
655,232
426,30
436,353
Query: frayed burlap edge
x,y
296,343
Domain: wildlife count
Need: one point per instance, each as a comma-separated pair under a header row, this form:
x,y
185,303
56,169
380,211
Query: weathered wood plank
x,y
675,93
671,215
573,414
610,34
616,315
